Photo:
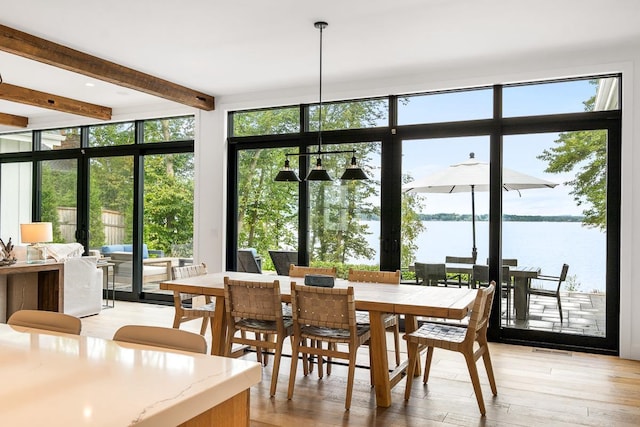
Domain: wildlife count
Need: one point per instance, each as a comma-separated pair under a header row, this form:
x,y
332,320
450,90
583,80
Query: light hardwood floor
x,y
536,387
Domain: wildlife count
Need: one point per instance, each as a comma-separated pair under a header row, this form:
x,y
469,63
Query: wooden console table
x,y
31,286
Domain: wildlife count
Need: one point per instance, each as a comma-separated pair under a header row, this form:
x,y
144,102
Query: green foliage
x,y
585,153
412,224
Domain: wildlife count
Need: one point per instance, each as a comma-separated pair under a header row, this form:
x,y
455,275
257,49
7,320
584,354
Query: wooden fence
x,y
114,225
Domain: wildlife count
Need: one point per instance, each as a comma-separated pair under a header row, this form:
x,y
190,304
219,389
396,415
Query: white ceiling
x,y
233,47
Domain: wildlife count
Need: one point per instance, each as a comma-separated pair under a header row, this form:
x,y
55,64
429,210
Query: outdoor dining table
x,y
409,300
521,275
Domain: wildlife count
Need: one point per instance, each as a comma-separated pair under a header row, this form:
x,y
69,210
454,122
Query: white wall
x,y
211,151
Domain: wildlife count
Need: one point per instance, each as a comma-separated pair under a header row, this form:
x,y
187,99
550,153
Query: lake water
x,y
547,245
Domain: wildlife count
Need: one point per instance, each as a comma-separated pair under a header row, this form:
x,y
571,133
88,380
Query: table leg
x,y
219,328
379,360
520,297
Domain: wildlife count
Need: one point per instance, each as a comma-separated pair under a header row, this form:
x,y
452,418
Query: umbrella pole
x,y
474,251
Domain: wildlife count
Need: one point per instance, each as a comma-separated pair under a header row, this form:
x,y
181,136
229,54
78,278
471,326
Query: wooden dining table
x,y
408,300
521,275
55,379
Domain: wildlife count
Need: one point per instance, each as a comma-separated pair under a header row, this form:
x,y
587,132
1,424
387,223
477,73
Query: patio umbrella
x,y
471,176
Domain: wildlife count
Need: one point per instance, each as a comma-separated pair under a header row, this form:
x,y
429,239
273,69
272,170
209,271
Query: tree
x,y
268,210
584,152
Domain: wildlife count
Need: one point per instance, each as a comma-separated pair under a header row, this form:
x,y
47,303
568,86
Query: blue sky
x,y
423,157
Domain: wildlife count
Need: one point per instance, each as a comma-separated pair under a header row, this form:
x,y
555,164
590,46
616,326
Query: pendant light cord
x,y
321,26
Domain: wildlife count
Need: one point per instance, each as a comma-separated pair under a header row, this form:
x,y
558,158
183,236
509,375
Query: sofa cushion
x,y
107,250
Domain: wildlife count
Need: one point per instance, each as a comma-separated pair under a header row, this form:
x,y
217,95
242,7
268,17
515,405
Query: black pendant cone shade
x,y
287,174
318,173
353,172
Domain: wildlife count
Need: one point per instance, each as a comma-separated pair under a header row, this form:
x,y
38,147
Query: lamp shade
x,y
318,173
36,232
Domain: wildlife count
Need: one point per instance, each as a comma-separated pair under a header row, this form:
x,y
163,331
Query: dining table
x,y
521,275
56,379
411,301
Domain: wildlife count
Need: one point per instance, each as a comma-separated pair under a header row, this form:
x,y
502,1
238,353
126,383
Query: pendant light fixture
x,y
318,172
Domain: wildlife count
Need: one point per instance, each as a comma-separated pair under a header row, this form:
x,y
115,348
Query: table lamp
x,y
36,233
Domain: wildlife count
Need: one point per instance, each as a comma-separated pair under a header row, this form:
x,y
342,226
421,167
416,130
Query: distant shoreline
x,y
485,217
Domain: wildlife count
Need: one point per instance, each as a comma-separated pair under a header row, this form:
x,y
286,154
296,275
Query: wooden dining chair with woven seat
x,y
200,307
256,307
301,271
325,315
391,321
158,336
456,338
47,320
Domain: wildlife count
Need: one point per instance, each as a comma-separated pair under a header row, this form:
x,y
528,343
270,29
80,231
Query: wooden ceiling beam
x,y
38,49
36,98
11,120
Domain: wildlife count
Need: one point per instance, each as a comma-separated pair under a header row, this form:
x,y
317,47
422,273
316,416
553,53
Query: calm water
x,y
542,244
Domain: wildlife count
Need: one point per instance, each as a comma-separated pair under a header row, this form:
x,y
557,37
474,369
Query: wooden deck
x,y
536,387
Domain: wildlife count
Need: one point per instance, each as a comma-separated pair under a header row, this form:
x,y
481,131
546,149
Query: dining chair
x,y
552,293
158,336
456,338
460,260
325,315
256,307
282,260
192,306
46,320
391,321
301,271
431,274
480,278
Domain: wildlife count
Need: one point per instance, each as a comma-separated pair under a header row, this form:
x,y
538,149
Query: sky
x,y
423,157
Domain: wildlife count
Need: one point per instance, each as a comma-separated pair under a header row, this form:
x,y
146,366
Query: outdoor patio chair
x,y
256,307
431,274
157,336
552,293
480,278
456,338
248,261
47,320
460,260
325,315
282,260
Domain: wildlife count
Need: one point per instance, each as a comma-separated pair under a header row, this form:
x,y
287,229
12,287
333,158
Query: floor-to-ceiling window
x,y
124,190
510,132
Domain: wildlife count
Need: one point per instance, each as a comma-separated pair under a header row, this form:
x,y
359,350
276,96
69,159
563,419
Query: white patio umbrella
x,y
471,176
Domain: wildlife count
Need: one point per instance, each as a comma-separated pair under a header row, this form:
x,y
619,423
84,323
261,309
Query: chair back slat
x,y
459,260
323,307
188,271
390,277
481,310
253,300
301,271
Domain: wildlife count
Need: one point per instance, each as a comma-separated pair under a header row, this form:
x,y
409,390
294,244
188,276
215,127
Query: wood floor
x,y
536,387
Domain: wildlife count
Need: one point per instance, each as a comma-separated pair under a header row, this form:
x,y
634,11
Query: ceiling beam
x,y
11,120
38,49
36,98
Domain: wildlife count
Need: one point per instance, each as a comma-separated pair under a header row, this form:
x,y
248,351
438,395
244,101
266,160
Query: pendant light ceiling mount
x,y
318,172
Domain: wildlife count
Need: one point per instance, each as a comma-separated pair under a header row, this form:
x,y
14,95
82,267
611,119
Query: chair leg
x,y
203,328
427,365
352,370
486,358
396,336
295,348
412,352
276,365
559,307
475,380
320,359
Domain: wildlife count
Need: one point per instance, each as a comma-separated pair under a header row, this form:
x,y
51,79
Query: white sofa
x,y
82,279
